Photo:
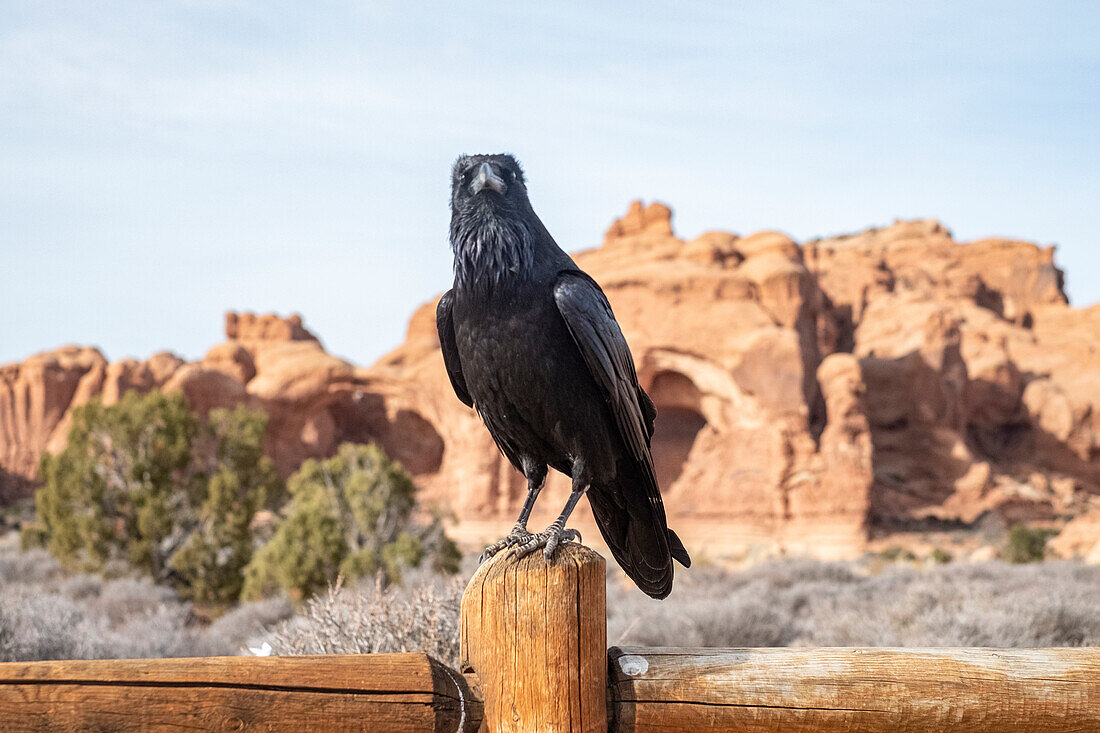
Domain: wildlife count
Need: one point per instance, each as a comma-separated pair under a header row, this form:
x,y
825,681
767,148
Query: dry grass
x,y
48,614
788,603
419,616
803,603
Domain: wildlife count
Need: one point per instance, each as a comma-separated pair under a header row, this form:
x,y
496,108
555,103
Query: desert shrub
x,y
145,483
242,480
1026,544
419,616
117,488
897,554
940,556
352,515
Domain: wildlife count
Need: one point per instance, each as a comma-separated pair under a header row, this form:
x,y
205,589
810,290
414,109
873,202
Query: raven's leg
x,y
556,533
536,478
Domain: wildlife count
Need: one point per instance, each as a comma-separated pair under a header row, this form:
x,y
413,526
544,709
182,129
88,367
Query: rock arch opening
x,y
679,422
408,437
415,442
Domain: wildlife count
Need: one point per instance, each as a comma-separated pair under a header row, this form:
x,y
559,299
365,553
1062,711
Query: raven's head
x,y
492,223
488,183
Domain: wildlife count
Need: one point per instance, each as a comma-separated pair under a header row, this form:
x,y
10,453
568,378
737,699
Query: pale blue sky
x,y
163,162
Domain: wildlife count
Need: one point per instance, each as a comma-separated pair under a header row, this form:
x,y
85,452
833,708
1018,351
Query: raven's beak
x,y
486,177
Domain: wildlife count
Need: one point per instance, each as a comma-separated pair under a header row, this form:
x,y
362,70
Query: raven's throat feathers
x,y
490,249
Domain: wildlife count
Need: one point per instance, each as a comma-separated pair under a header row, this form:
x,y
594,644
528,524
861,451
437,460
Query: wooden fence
x,y
535,658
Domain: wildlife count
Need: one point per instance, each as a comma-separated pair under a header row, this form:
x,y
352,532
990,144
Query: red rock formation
x,y
810,398
723,331
269,362
249,327
981,380
1080,538
957,400
34,399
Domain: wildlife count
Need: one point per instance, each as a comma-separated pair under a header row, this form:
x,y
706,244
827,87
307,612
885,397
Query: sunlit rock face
x,y
811,397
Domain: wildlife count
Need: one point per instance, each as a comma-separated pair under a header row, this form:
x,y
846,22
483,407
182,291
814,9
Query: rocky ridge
x,y
812,399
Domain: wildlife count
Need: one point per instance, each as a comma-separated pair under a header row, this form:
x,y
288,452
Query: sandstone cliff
x,y
811,398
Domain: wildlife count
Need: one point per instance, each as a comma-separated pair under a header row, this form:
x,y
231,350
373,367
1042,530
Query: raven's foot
x,y
549,540
518,536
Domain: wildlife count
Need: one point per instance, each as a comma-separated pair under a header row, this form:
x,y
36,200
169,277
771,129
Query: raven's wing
x,y
632,516
444,323
588,315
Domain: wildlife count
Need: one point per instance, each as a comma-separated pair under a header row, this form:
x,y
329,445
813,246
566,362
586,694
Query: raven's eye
x,y
511,175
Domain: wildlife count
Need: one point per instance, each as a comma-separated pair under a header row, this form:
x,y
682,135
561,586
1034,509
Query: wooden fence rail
x,y
535,659
870,690
377,692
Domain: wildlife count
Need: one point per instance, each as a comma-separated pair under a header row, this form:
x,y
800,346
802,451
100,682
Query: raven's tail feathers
x,y
637,534
679,552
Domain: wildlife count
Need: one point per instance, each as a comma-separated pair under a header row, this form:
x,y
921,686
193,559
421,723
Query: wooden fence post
x,y
534,632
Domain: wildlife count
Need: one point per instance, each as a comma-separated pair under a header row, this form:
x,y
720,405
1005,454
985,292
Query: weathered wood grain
x,y
832,690
535,634
372,692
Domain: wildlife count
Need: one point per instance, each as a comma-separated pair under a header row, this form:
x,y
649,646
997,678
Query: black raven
x,y
530,341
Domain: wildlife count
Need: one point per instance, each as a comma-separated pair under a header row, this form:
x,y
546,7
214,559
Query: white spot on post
x,y
632,665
